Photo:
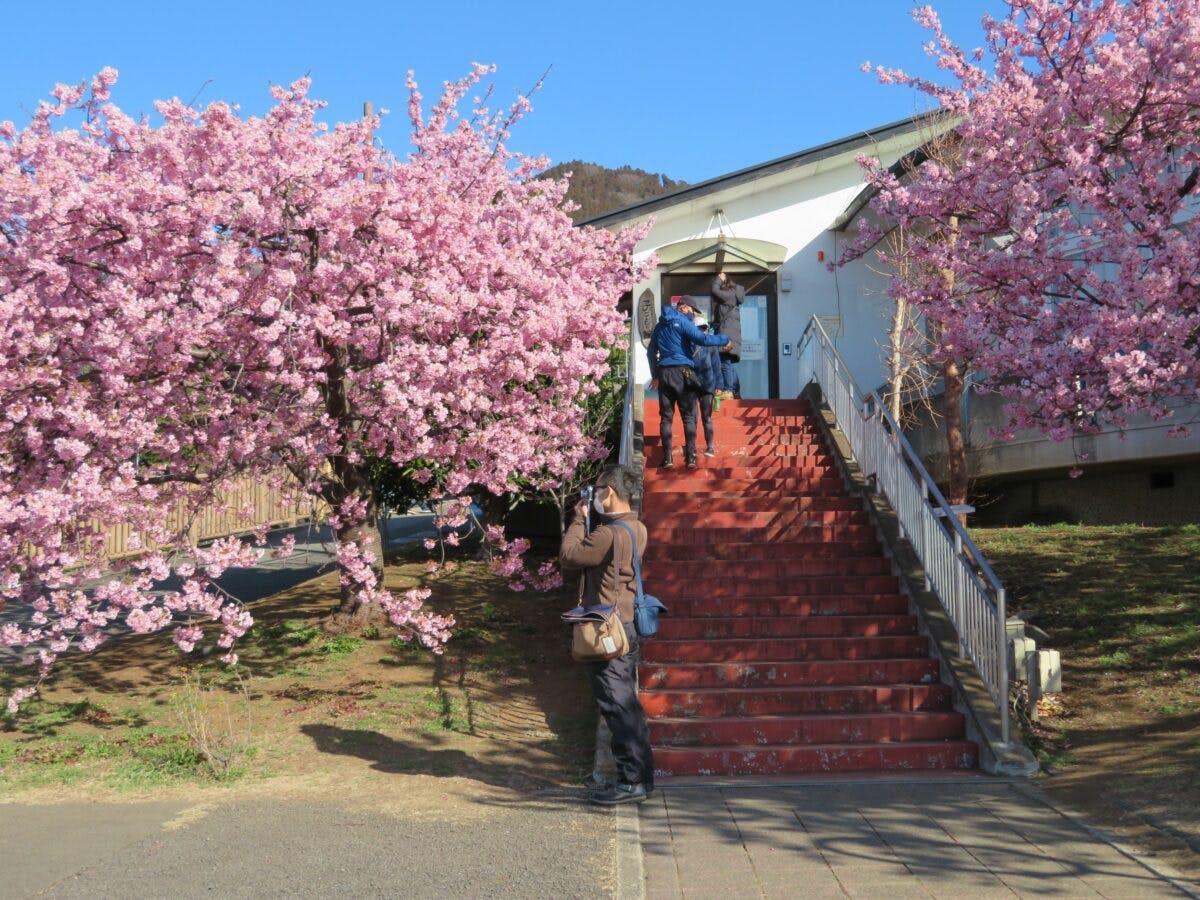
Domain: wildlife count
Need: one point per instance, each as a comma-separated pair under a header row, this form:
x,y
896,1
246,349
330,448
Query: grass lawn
x,y
1122,604
504,706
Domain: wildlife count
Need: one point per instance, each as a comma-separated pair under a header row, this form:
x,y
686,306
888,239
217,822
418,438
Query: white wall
x,y
795,209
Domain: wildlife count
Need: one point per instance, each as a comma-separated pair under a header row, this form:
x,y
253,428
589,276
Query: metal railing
x,y
955,569
625,452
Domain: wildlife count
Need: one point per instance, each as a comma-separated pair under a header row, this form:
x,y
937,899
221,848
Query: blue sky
x,y
693,89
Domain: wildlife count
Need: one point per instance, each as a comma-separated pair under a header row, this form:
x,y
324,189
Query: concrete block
x,y
1015,627
1049,672
1021,648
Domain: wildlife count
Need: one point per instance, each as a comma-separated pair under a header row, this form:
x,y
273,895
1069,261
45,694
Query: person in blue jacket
x,y
672,372
707,363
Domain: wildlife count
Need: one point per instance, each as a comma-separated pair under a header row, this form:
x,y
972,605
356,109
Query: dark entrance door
x,y
759,368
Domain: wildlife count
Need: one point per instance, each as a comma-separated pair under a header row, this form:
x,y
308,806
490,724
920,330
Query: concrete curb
x,y
627,836
631,878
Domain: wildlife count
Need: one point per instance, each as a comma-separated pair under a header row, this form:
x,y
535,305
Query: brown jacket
x,y
605,580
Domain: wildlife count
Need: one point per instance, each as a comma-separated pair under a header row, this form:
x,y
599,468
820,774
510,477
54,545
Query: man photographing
x,y
606,557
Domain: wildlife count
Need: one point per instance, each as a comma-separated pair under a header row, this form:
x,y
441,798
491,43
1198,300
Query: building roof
x,y
762,170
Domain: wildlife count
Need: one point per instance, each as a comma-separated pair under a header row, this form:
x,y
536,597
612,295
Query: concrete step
x,y
748,588
730,465
663,676
849,728
770,650
814,758
703,605
725,519
674,628
696,534
717,702
666,554
661,505
758,569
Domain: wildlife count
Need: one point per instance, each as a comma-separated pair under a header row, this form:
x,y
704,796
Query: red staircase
x,y
788,648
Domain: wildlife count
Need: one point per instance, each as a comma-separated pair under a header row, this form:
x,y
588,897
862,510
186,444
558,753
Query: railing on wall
x,y
955,569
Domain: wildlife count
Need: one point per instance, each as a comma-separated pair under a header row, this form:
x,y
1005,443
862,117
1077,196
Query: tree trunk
x,y
952,381
351,613
896,365
956,450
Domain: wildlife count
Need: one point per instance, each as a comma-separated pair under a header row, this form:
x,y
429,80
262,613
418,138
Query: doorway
x,y
758,370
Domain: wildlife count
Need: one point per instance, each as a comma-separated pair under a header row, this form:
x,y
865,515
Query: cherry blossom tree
x,y
219,296
1073,275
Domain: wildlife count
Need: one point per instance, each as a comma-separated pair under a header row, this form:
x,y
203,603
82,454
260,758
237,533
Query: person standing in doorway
x,y
727,299
672,345
708,371
606,558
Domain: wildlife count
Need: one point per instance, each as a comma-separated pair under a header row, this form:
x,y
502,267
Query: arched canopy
x,y
721,252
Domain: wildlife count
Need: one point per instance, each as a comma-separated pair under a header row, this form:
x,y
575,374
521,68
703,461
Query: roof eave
x,y
762,170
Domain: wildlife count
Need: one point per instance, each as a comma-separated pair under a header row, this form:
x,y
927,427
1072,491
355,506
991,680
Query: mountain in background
x,y
598,189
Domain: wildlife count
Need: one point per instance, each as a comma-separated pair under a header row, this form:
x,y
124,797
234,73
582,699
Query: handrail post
x,y
925,519
956,601
1003,674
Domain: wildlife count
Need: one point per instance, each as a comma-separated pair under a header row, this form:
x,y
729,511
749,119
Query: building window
x,y
1161,480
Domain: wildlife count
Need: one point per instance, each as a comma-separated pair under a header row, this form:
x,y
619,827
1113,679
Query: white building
x,y
775,227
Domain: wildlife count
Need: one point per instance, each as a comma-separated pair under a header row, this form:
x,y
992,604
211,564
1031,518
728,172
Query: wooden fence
x,y
222,518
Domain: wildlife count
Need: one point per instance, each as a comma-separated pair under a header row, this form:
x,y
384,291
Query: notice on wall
x,y
752,349
751,321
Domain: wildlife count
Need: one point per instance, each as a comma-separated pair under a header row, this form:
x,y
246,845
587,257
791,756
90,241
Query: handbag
x,y
646,607
598,634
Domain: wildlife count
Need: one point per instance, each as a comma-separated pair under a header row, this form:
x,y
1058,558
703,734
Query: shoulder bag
x,y
646,607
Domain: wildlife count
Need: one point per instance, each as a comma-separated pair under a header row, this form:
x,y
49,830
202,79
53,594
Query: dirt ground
x,y
1121,743
504,711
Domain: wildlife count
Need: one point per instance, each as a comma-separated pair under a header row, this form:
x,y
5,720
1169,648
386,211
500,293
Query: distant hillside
x,y
598,189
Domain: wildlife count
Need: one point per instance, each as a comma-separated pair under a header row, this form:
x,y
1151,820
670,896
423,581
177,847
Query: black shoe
x,y
596,782
616,794
667,463
691,463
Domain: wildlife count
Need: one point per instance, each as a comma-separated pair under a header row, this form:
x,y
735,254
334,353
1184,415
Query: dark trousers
x,y
706,411
674,389
614,682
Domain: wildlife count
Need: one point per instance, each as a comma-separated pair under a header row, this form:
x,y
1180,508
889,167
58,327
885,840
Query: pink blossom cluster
x,y
1062,254
359,573
508,562
219,296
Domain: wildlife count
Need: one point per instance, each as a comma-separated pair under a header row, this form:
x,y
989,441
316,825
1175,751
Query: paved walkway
x,y
954,838
974,838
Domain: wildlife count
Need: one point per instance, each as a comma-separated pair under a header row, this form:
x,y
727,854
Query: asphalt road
x,y
546,846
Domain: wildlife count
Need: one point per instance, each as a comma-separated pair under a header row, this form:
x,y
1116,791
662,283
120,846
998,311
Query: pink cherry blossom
x,y
1073,275
187,304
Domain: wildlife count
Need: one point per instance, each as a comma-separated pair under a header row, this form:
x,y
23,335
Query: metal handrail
x,y
625,452
955,569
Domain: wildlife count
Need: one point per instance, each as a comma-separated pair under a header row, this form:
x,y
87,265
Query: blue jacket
x,y
707,363
675,339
